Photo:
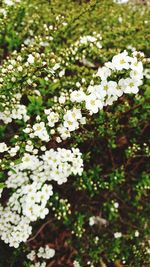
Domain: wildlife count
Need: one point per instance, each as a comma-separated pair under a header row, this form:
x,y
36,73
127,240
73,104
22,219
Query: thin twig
x,y
135,107
37,233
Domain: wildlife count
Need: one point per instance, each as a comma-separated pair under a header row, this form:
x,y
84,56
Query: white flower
x,y
40,131
29,148
56,66
3,147
116,205
136,65
13,151
77,96
103,73
58,139
147,73
20,68
99,45
61,73
75,113
14,228
76,264
93,104
18,112
46,253
117,235
88,38
136,233
121,1
98,91
92,221
135,75
64,132
111,89
30,59
83,120
129,85
8,2
52,118
71,119
62,99
31,256
71,124
30,162
121,61
1,190
30,179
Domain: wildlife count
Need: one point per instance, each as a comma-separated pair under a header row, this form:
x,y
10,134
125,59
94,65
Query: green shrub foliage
x,y
74,133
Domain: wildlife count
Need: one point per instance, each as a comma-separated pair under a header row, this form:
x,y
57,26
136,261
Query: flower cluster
x,y
31,180
3,147
42,253
117,235
62,121
107,91
40,131
52,165
14,228
11,2
121,1
94,39
36,168
53,80
78,52
46,253
11,150
19,111
76,264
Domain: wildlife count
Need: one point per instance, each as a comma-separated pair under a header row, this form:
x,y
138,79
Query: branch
x,y
38,232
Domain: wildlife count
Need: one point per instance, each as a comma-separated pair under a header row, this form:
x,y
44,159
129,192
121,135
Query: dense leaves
x,y
99,218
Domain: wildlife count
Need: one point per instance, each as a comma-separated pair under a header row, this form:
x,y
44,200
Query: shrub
x,y
74,149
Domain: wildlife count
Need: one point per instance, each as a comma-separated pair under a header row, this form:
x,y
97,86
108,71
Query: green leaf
x,y
2,185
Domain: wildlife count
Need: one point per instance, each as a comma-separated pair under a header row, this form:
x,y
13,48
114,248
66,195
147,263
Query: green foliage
x,y
35,105
114,143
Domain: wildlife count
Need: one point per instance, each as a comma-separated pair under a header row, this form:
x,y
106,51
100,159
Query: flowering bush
x,y
74,148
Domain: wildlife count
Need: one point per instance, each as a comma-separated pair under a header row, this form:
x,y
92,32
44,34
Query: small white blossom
x,y
30,59
136,233
92,221
3,147
117,235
